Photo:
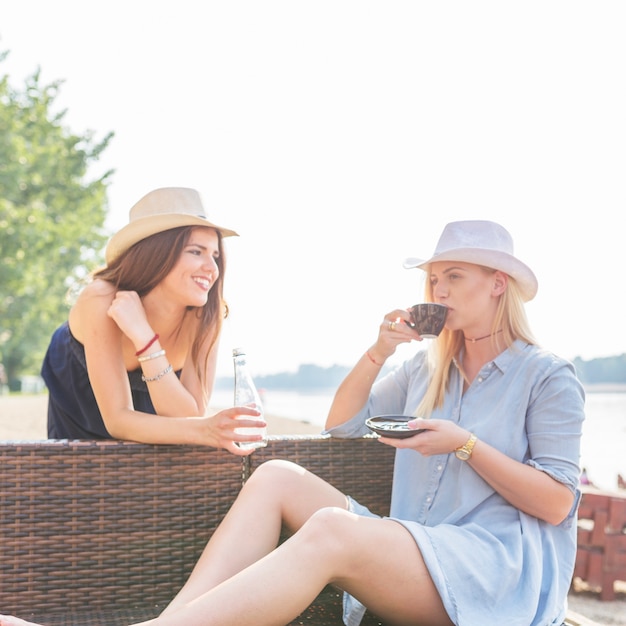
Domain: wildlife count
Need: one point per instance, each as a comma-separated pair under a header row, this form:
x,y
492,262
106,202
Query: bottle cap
x,y
239,352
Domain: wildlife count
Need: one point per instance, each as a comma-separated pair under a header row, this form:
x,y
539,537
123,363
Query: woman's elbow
x,y
118,423
561,507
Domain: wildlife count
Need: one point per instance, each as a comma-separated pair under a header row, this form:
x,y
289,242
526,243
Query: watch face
x,y
462,454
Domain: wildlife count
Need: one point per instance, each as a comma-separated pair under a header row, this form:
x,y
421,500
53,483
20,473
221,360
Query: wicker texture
x,y
116,617
106,524
107,532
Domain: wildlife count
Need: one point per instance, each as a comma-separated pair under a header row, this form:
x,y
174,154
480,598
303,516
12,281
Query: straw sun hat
x,y
159,210
482,243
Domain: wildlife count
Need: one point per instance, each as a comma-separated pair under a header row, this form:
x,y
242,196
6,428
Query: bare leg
x,y
279,492
376,560
242,580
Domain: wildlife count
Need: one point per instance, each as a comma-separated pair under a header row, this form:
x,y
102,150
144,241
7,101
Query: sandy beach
x,y
23,418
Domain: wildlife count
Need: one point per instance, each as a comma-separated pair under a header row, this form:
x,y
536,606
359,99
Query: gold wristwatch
x,y
465,451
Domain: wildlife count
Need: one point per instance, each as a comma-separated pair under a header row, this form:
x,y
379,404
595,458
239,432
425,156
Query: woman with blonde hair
x,y
482,528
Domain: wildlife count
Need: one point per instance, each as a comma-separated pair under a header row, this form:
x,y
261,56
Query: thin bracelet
x,y
152,355
156,336
371,358
151,379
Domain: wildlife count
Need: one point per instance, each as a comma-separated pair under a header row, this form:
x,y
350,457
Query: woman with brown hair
x,y
136,359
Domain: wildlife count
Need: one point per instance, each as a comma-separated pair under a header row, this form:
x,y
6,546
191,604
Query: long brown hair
x,y
145,264
446,349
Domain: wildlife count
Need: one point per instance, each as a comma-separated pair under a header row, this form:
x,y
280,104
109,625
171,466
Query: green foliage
x,y
51,219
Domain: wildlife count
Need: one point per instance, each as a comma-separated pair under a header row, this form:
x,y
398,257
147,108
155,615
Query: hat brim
x,y
151,225
494,259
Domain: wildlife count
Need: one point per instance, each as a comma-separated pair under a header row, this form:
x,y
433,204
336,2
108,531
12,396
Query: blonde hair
x,y
445,351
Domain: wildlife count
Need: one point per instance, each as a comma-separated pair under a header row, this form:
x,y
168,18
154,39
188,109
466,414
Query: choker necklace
x,y
485,337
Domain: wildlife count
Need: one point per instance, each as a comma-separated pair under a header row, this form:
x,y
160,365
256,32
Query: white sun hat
x,y
483,243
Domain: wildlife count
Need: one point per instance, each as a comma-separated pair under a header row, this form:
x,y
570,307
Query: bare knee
x,y
329,534
276,473
331,524
293,491
274,481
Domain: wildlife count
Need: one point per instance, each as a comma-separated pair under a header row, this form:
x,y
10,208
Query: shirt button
x,y
428,499
480,379
439,468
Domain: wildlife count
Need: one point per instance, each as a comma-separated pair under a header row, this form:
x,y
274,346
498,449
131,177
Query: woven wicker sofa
x,y
107,532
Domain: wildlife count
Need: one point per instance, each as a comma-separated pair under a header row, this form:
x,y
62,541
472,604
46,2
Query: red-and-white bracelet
x,y
147,345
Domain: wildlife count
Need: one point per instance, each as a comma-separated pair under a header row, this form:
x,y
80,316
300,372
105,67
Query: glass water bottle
x,y
246,394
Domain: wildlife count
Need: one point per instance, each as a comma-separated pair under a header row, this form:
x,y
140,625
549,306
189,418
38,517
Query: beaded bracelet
x,y
153,355
156,336
151,379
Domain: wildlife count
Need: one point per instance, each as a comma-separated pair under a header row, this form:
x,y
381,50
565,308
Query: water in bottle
x,y
246,394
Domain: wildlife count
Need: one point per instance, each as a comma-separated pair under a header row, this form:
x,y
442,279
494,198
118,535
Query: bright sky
x,y
339,137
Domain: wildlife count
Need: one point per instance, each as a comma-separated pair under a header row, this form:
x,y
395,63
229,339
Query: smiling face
x,y
196,270
471,293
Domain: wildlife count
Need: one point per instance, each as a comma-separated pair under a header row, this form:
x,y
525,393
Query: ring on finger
x,y
392,325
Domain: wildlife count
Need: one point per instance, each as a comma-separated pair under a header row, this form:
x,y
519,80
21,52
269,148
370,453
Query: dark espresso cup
x,y
428,318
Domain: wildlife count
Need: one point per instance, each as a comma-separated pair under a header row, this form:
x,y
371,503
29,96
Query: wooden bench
x,y
601,556
106,533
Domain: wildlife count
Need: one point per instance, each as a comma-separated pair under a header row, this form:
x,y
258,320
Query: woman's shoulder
x,y
97,292
543,361
99,287
538,353
92,302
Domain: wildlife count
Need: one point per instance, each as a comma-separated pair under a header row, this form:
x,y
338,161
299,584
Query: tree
x,y
610,369
51,218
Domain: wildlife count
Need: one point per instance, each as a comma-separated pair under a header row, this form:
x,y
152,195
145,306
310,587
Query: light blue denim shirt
x,y
492,564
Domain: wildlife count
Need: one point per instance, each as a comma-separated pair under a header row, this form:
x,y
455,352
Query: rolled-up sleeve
x,y
554,423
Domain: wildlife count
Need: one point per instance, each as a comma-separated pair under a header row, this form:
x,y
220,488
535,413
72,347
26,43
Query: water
x,y
604,430
603,448
251,445
302,406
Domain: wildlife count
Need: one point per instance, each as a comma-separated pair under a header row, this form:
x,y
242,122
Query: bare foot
x,y
8,620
